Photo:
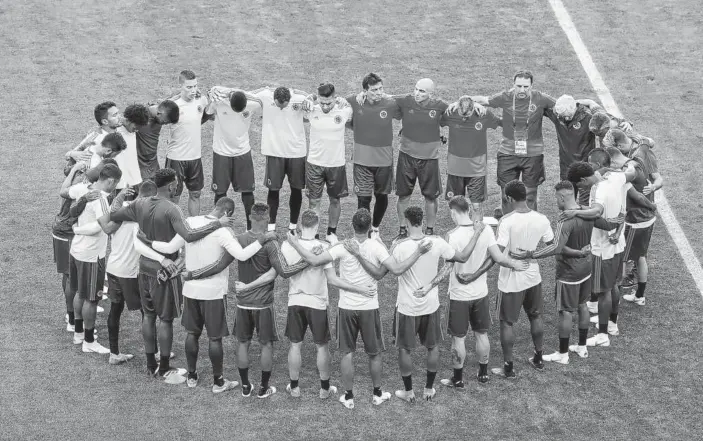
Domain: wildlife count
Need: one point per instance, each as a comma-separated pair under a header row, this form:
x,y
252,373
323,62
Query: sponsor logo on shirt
x,y
433,113
383,114
296,107
478,126
245,114
338,119
577,125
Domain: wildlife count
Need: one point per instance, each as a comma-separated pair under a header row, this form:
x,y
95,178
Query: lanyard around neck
x,y
527,118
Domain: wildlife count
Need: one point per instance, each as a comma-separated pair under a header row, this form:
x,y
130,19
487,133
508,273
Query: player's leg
x,y
369,324
638,252
273,179
430,182
93,279
146,285
337,188
508,305
405,332
62,248
167,301
320,329
405,177
193,321
348,325
243,182
194,181
383,186
533,175
314,185
585,289
480,320
244,331
615,297
71,294
265,324
296,326
566,303
117,303
178,167
215,315
429,330
192,347
295,169
507,170
222,175
457,327
534,305
477,191
363,186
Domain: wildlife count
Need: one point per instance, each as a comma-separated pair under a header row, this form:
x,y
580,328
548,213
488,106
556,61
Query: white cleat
x,y
406,395
634,299
592,307
557,357
293,391
95,348
594,320
599,340
174,376
78,338
332,239
228,385
100,309
70,328
158,355
376,400
325,394
65,318
267,393
613,328
193,382
119,358
581,351
428,394
349,404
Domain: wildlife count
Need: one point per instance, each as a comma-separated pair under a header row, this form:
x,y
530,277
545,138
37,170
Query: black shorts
x,y
235,170
462,313
427,327
606,273
163,299
460,185
189,173
508,304
318,176
278,168
147,169
511,167
261,320
368,322
637,242
210,314
426,171
372,180
121,289
87,279
62,253
300,317
569,296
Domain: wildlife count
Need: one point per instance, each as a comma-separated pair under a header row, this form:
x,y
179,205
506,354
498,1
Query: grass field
x,y
62,58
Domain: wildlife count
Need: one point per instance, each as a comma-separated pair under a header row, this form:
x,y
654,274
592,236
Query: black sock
x,y
483,369
78,325
641,286
379,209
508,366
113,326
563,345
295,202
151,362
349,395
325,384
602,328
430,379
583,336
272,200
244,376
164,364
594,297
429,231
363,202
293,383
265,376
219,380
538,356
248,202
377,391
71,318
331,230
408,382
89,335
403,231
458,375
614,318
194,376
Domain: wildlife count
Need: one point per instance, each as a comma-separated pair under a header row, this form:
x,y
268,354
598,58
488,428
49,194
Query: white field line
x,y
675,231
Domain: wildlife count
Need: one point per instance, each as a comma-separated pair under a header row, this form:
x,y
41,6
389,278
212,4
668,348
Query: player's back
x,y
202,253
610,193
308,287
574,269
250,270
154,216
458,238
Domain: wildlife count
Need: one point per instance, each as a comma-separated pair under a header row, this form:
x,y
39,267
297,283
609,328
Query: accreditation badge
x,y
520,144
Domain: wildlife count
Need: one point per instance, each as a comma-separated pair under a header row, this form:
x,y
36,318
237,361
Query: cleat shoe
x,y
332,239
483,378
325,394
376,400
100,309
158,355
429,231
192,381
634,299
557,357
428,394
174,376
246,390
406,395
65,318
594,320
449,382
349,404
592,307
119,358
539,365
78,338
503,373
265,393
613,328
228,385
294,392
581,351
70,328
95,348
599,340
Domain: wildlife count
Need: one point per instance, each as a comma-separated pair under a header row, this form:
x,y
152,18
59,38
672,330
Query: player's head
x,y
147,189
109,177
617,159
223,207
459,208
424,89
93,174
414,215
107,115
189,85
238,101
515,191
582,175
564,194
599,158
166,181
309,221
522,82
565,107
168,112
112,145
618,139
281,96
361,221
259,217
600,124
326,98
466,105
373,85
135,116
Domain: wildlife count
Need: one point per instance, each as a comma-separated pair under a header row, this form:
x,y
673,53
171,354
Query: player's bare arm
x,y
307,255
264,279
334,280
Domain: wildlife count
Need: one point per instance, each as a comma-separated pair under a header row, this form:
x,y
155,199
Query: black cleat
x,y
539,364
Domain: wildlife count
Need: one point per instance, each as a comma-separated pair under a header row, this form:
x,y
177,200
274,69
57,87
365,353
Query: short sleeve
x,y
489,236
546,101
547,234
599,193
338,251
125,214
499,100
77,190
380,253
446,251
444,120
503,238
442,106
491,121
564,230
253,106
348,112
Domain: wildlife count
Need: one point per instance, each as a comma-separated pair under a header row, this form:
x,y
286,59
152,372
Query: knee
x,y
334,202
195,335
214,339
194,195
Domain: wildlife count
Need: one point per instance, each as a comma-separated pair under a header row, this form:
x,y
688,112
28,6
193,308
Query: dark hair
x,y
516,190
238,101
172,111
325,90
309,219
619,137
361,221
414,215
137,114
164,176
226,204
147,188
101,109
115,142
459,203
281,94
578,171
108,161
370,79
564,186
110,171
599,156
524,74
259,211
600,122
613,151
186,75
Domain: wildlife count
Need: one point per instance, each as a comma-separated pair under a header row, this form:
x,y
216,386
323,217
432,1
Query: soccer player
x,y
326,161
468,147
108,117
231,151
468,301
87,261
184,150
522,229
166,112
373,147
160,219
133,117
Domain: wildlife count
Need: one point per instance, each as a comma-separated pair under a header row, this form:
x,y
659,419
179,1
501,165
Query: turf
x,y
62,58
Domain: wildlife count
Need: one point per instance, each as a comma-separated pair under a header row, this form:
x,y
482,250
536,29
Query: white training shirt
x,y
127,161
522,231
351,271
419,275
123,260
282,130
610,194
89,248
231,133
327,136
95,159
458,238
308,287
185,141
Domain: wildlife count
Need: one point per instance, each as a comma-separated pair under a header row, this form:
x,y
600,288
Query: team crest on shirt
x,y
383,114
245,114
478,126
433,113
577,125
338,119
296,107
200,109
450,194
214,187
532,107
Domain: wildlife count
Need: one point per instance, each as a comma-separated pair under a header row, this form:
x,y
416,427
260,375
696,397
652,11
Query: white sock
x,y
272,227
